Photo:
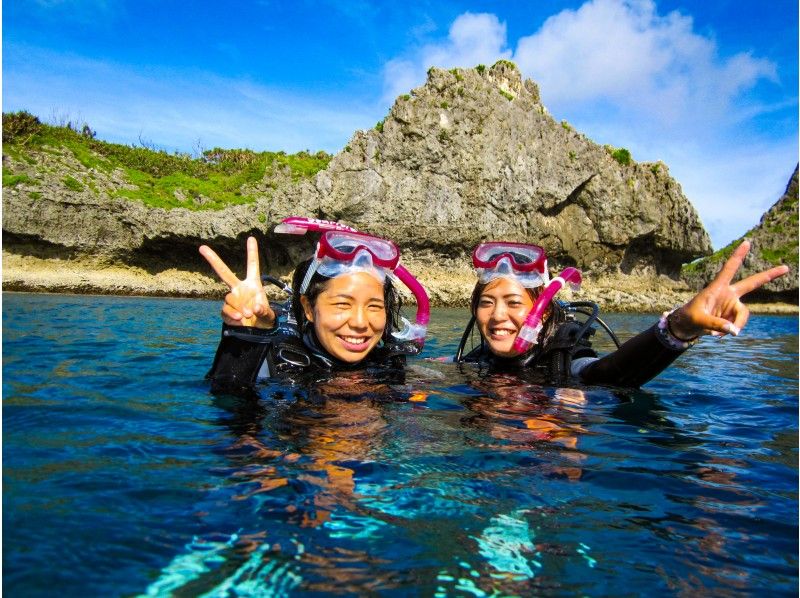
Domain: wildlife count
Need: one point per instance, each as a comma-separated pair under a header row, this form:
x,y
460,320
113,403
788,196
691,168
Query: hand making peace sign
x,y
246,304
717,309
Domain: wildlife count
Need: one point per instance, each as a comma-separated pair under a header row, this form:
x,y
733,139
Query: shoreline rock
x,y
447,288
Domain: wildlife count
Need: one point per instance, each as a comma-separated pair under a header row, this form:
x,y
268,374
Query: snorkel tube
x,y
529,333
298,225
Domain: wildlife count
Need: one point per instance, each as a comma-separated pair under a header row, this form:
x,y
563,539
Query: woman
x,y
513,283
344,312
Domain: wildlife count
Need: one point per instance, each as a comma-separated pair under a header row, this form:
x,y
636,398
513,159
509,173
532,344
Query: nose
x,y
499,311
358,318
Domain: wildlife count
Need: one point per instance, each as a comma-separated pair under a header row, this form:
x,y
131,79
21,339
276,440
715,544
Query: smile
x,y
355,343
501,332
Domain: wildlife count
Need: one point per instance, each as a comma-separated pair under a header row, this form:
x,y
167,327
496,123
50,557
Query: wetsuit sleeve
x,y
241,353
637,361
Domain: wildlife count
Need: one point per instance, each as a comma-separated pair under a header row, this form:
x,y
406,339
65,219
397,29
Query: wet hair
x,y
391,299
550,317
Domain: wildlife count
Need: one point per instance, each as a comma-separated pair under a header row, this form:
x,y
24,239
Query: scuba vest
x,y
565,338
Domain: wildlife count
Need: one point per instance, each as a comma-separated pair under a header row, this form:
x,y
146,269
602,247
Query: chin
x,y
504,349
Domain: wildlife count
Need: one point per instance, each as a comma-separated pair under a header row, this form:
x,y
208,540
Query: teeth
x,y
354,340
501,332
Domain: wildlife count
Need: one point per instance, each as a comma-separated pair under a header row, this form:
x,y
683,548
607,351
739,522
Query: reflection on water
x,y
123,475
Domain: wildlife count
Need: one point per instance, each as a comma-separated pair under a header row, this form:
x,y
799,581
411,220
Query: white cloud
x,y
626,75
472,39
624,52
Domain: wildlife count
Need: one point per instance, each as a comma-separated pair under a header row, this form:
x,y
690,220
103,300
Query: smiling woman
x,y
521,327
344,311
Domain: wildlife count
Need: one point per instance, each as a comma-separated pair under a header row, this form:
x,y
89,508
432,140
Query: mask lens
x,y
489,254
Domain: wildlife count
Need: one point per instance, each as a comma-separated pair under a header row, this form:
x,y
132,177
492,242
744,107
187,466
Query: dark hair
x,y
391,298
550,317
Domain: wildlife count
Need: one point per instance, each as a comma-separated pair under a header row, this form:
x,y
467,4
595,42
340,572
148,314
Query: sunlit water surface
x,y
123,475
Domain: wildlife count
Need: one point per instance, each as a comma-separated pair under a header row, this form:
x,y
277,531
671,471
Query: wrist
x,y
673,336
678,329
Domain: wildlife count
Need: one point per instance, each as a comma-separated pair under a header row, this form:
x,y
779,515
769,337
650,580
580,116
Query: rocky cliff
x,y
774,241
470,155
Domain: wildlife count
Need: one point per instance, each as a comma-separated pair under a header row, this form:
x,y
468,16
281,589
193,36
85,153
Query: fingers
x,y
733,263
231,316
222,270
235,307
720,326
253,270
755,281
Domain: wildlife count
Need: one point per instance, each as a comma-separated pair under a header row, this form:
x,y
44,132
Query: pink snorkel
x,y
529,333
298,225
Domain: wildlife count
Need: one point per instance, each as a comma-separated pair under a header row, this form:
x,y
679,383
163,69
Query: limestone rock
x,y
473,155
774,241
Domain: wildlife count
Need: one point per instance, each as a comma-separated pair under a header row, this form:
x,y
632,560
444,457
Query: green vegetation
x,y
622,156
406,97
12,180
506,95
213,180
507,63
379,125
35,195
572,155
444,105
458,75
481,68
717,257
655,168
72,183
782,255
19,127
566,126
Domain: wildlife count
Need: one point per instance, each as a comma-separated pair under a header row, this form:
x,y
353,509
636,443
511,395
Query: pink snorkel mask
x,y
527,264
342,249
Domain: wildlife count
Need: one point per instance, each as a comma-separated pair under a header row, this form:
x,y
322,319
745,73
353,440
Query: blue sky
x,y
710,88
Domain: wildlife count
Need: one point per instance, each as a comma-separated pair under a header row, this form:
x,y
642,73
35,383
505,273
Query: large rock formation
x,y
774,241
473,155
469,156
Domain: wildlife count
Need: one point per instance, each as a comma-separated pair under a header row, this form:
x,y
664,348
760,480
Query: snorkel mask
x,y
342,250
527,264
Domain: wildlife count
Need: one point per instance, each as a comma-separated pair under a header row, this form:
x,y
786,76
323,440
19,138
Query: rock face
x,y
469,156
774,241
473,155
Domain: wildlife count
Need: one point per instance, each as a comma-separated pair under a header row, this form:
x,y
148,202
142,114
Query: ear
x,y
307,308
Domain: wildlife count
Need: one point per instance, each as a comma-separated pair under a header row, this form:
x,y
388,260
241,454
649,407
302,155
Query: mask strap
x,y
312,269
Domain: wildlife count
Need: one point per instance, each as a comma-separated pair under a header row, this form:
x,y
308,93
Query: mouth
x,y
502,333
357,344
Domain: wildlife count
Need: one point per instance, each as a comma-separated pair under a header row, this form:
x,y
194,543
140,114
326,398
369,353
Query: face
x,y
349,316
502,308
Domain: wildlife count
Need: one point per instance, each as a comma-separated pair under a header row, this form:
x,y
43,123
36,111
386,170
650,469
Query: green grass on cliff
x,y
214,180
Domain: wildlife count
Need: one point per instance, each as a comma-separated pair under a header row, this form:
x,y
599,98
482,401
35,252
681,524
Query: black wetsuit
x,y
246,355
567,353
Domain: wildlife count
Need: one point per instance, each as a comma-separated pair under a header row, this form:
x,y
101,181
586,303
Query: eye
x,y
485,303
514,303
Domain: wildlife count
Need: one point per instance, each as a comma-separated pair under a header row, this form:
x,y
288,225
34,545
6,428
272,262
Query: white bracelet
x,y
667,338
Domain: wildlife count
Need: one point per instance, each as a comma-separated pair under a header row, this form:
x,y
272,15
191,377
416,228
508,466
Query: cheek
x,y
329,319
378,321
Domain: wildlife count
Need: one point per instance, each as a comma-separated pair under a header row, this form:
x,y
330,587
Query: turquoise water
x,y
123,475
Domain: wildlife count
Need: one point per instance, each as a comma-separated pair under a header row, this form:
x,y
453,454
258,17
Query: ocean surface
x,y
124,476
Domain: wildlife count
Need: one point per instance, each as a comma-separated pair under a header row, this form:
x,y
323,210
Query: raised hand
x,y
717,309
246,304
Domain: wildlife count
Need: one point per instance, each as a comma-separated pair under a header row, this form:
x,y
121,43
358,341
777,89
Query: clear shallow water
x,y
123,475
